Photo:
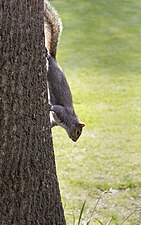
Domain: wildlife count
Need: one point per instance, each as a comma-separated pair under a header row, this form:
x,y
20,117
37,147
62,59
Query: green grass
x,y
100,53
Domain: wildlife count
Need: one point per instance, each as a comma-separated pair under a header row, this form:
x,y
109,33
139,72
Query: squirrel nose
x,y
74,139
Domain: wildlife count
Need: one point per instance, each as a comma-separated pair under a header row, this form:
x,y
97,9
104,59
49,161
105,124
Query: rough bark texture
x,y
29,190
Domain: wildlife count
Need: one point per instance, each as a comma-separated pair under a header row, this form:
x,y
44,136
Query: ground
x,y
100,53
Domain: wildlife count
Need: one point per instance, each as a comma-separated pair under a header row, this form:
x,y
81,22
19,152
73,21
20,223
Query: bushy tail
x,y
53,28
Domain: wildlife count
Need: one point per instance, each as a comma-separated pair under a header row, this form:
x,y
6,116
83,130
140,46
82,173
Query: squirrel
x,y
62,110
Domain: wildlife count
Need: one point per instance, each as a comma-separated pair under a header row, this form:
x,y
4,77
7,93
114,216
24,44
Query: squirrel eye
x,y
78,132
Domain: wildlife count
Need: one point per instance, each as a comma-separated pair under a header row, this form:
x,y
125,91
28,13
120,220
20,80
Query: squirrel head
x,y
76,131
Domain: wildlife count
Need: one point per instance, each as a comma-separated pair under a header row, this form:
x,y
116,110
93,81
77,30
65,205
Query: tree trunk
x,y
29,190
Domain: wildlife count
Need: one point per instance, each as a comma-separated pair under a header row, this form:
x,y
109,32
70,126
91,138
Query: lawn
x,y
100,53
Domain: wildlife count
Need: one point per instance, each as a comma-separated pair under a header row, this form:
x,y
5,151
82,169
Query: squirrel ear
x,y
81,124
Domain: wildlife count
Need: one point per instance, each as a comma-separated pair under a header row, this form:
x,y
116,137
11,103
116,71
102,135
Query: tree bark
x,y
29,190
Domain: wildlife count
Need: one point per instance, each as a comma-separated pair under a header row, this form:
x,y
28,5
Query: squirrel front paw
x,y
51,108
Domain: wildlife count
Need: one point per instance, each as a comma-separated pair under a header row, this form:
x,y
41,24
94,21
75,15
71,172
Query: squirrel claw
x,y
46,53
49,107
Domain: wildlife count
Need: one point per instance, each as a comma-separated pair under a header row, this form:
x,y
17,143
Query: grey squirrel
x,y
62,111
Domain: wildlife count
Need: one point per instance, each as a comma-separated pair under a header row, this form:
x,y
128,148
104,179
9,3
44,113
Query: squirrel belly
x,y
62,111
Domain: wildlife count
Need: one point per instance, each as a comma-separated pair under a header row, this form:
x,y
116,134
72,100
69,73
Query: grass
x,y
100,53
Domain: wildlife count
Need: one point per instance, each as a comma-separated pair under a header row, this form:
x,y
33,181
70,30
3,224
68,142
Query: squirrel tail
x,y
53,28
